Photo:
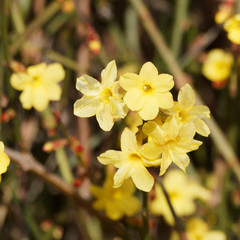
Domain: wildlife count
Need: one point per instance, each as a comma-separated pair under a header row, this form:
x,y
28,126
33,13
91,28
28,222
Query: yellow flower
x,y
39,85
148,91
197,229
169,141
117,202
4,160
182,192
103,100
223,13
232,26
217,67
186,112
130,162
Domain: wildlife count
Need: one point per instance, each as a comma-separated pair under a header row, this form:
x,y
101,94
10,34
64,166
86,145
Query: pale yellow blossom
x,y
4,160
101,99
186,111
182,191
39,85
170,141
130,163
148,91
116,202
197,229
232,26
217,66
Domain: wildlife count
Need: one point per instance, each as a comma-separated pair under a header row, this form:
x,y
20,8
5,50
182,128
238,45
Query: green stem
x,y
68,62
145,216
17,17
40,20
178,28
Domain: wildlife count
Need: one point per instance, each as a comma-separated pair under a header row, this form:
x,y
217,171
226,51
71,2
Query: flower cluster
x,y
4,160
165,132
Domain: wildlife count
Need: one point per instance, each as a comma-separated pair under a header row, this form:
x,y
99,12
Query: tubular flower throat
x,y
130,163
116,202
101,99
39,85
148,91
4,160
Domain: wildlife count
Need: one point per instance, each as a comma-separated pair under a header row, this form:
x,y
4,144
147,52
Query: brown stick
x,y
29,164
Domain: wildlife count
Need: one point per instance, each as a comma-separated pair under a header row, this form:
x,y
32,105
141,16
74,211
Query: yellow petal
x,y
180,159
150,150
131,81
40,98
170,128
121,175
26,98
111,157
95,190
134,99
149,109
88,85
37,70
112,211
53,73
128,187
1,146
166,161
119,109
86,106
19,81
200,111
215,235
163,83
128,141
104,117
201,127
164,100
109,74
54,92
148,71
4,162
186,96
142,178
129,205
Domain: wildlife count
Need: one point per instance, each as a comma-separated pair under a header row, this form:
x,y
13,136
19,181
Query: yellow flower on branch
x,y
131,163
217,66
116,202
4,160
197,229
148,91
101,99
186,111
39,85
182,191
169,141
232,26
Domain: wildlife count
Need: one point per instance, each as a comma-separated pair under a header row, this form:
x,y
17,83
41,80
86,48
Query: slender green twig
x,y
41,19
145,215
178,28
181,79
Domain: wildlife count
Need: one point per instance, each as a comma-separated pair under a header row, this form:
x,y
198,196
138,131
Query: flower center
x,y
106,95
147,88
135,157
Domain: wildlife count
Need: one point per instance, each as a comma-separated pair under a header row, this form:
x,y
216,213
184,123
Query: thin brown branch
x,y
28,164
